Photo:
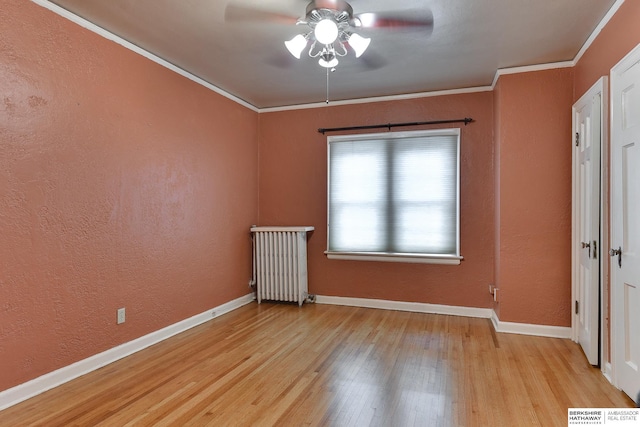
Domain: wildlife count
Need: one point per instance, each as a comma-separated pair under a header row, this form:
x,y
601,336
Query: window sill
x,y
396,257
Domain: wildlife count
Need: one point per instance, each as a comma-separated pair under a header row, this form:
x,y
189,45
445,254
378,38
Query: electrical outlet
x,y
491,289
121,315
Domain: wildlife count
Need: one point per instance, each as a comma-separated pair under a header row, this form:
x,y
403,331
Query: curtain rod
x,y
466,121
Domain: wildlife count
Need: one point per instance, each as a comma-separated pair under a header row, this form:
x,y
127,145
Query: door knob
x,y
586,245
618,252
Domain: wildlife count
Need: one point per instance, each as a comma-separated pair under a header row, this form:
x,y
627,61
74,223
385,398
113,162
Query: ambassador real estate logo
x,y
600,417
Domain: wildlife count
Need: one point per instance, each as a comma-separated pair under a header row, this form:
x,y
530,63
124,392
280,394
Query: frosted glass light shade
x,y
359,44
328,64
296,45
326,31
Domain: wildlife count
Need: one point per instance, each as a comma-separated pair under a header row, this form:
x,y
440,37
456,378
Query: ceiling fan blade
x,y
281,60
416,19
330,4
237,13
372,61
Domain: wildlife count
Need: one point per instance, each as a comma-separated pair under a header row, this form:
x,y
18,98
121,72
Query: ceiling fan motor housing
x,y
335,7
340,12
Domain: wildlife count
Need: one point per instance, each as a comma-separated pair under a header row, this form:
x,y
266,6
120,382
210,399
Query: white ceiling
x,y
471,40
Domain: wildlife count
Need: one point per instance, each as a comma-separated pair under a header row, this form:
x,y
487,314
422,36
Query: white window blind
x,y
394,196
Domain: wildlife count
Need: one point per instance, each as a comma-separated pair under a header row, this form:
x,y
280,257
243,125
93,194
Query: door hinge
x,y
577,139
577,311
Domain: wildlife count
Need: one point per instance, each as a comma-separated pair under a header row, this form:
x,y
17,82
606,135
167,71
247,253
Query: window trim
x,y
395,257
446,259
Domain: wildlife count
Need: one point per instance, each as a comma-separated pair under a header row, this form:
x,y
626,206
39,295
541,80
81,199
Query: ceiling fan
x,y
330,27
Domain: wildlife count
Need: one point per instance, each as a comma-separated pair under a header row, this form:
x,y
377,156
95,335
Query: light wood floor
x,y
322,365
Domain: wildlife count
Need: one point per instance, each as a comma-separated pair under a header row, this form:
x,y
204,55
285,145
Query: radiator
x,y
280,263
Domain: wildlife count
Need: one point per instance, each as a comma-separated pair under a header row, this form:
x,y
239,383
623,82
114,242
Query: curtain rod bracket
x,y
466,121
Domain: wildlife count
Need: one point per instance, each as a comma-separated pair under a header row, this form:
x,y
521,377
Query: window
x,y
395,197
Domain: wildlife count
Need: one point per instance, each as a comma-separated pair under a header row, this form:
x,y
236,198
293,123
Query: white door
x,y
587,125
625,222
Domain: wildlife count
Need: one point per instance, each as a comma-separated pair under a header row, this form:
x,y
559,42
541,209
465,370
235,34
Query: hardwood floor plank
x,y
321,365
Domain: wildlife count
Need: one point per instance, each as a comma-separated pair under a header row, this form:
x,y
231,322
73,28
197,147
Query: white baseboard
x,y
529,329
416,307
484,313
53,379
607,372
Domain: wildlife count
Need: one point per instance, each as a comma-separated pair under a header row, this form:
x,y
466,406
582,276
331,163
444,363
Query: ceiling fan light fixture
x,y
296,45
330,25
365,20
328,64
328,60
359,44
326,31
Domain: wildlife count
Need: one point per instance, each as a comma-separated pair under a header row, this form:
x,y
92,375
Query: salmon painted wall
x,y
616,39
122,184
534,193
496,181
293,191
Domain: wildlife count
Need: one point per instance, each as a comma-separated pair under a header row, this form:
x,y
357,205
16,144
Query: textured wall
x,y
534,194
122,184
293,191
616,39
497,104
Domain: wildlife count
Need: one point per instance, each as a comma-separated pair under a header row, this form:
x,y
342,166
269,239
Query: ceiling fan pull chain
x,y
327,86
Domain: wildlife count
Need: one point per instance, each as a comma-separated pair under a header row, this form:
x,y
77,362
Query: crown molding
x,y
596,32
58,10
500,72
529,69
402,97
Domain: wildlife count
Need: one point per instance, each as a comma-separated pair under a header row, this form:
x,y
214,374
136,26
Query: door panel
x,y
631,339
630,198
630,235
625,223
586,228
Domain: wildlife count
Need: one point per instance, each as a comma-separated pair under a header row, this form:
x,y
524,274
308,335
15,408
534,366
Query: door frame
x,y
632,58
601,87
